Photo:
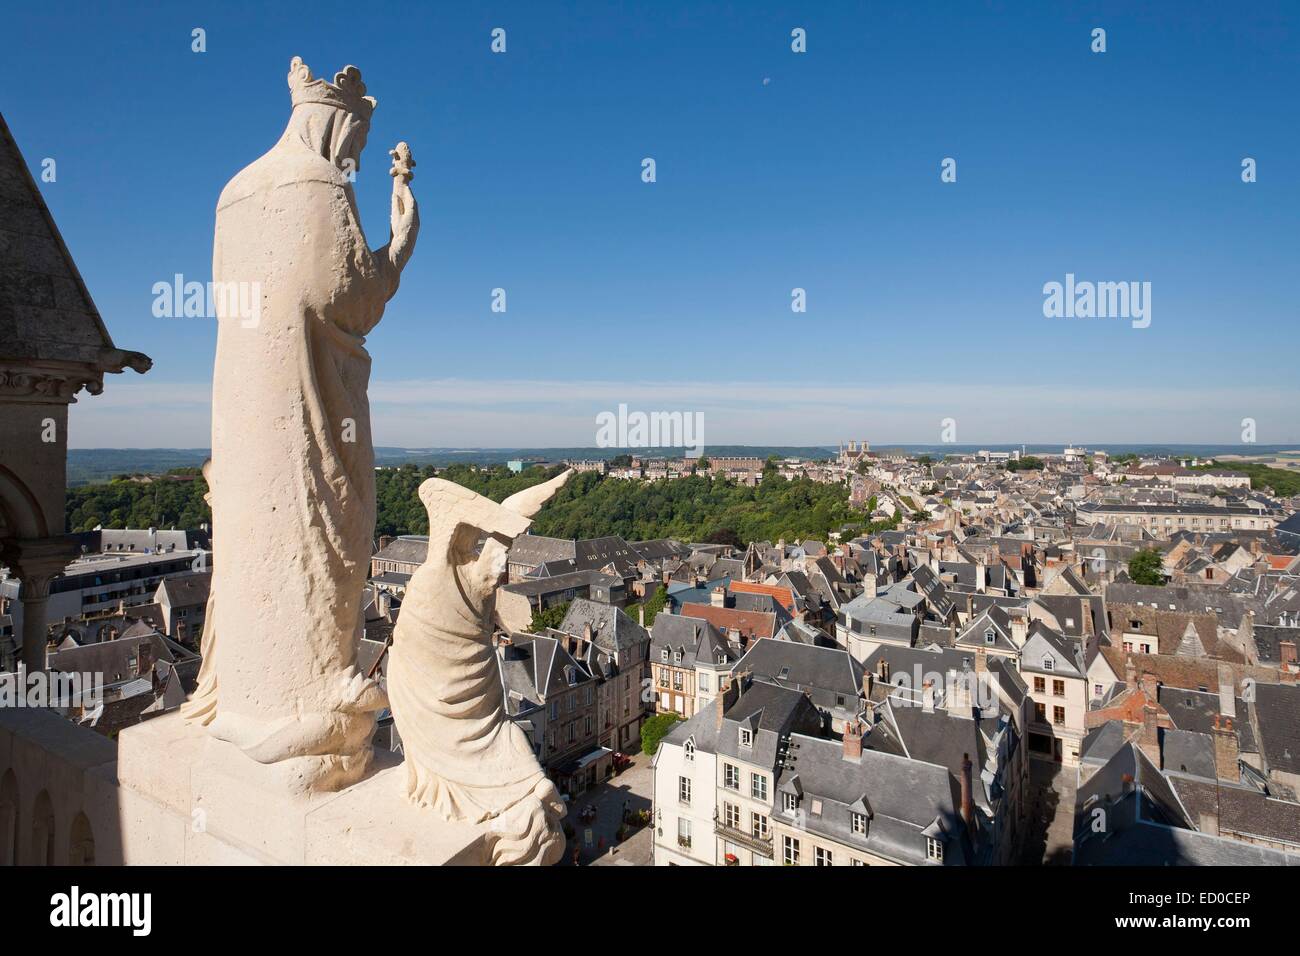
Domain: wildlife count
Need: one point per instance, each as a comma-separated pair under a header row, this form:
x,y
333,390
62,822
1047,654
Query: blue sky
x,y
924,298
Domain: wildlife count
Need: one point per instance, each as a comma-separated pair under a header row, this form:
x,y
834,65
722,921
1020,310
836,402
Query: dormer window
x,y
933,850
663,655
859,822
1048,663
688,749
789,802
746,737
990,636
677,657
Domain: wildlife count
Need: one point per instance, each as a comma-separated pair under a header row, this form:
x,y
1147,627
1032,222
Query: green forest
x,y
1284,482
691,509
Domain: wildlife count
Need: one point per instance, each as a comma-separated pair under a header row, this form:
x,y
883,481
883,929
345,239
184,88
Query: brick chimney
x,y
1287,652
852,740
981,661
1225,750
883,670
144,659
726,697
1149,737
1150,686
967,793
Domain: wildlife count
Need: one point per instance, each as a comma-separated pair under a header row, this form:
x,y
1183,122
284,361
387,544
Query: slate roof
x,y
1067,655
186,590
1187,752
46,312
611,629
1150,824
904,800
694,638
772,713
534,666
406,549
1196,710
1240,809
531,587
827,673
1277,714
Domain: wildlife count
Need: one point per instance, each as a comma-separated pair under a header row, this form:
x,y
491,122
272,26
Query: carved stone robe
x,y
293,499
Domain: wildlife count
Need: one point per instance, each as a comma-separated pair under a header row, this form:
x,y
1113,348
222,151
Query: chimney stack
x,y
1227,694
718,597
852,740
1019,630
1225,750
1149,739
967,793
1150,686
726,697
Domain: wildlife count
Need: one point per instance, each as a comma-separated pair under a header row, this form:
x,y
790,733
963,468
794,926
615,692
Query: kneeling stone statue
x,y
465,759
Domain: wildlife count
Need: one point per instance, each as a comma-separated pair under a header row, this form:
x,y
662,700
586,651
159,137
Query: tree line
x,y
698,508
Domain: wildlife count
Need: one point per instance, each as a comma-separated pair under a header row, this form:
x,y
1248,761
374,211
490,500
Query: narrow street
x,y
597,841
1049,840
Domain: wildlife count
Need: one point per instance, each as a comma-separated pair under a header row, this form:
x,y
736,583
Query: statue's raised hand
x,y
405,217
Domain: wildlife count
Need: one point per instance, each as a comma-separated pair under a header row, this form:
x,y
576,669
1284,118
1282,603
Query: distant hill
x,y
87,465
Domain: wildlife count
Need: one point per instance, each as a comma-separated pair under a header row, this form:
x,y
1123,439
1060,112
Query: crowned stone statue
x,y
292,471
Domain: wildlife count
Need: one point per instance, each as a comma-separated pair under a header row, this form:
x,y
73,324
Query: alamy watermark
x,y
199,300
53,689
624,429
1098,300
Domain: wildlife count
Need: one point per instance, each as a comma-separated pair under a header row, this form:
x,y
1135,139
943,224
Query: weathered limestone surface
x,y
227,818
465,760
292,470
167,793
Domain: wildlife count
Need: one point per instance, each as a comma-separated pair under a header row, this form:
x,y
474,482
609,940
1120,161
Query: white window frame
x,y
789,850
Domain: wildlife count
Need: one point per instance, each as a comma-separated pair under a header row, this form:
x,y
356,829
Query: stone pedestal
x,y
188,798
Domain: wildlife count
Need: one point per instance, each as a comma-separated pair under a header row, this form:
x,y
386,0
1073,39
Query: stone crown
x,y
347,92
